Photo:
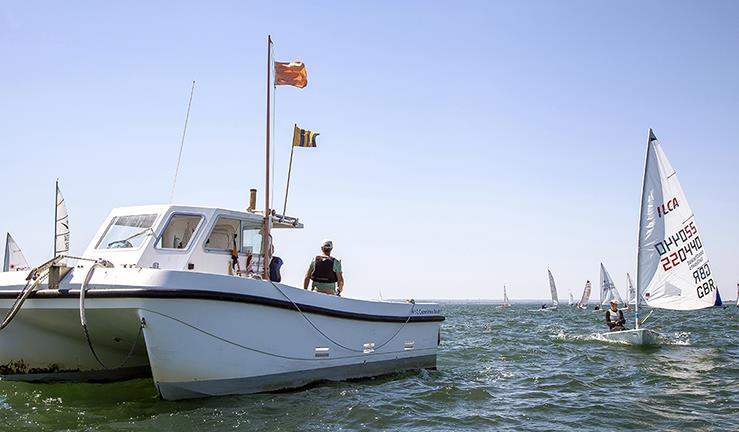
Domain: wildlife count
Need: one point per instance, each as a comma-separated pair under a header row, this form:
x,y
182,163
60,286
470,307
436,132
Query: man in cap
x,y
325,272
615,318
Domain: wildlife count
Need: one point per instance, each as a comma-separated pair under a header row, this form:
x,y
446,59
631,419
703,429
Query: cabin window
x,y
224,236
251,237
127,232
179,232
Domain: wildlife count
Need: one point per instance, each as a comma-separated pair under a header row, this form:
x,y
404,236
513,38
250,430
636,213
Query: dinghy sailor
x,y
615,318
325,272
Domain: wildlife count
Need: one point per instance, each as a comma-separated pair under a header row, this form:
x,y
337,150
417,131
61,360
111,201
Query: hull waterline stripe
x,y
220,296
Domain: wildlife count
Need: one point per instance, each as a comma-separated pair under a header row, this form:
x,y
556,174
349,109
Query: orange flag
x,y
292,73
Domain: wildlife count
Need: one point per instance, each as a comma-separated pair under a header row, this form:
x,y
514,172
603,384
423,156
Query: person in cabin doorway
x,y
325,272
615,318
275,264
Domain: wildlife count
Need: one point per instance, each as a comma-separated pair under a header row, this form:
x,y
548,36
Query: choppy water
x,y
499,369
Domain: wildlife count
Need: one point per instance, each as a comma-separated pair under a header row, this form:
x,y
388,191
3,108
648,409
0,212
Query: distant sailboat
x,y
553,289
61,226
673,267
632,291
718,302
737,295
571,300
14,259
583,304
608,291
506,302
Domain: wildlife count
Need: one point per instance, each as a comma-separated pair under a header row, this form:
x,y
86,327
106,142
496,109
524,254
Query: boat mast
x,y
641,203
56,209
266,238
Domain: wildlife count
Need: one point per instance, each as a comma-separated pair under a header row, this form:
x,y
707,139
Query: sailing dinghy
x,y
608,291
673,267
506,302
718,302
14,259
631,300
583,304
555,299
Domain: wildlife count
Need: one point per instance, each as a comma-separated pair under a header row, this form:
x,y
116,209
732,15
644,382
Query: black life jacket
x,y
323,270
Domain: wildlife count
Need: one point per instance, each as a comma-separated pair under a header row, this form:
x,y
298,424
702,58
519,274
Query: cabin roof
x,y
278,221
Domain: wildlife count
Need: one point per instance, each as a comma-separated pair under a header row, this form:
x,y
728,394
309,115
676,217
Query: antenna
x,y
182,143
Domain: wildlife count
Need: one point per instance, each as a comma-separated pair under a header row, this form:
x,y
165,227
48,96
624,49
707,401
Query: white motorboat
x,y
156,293
673,267
184,294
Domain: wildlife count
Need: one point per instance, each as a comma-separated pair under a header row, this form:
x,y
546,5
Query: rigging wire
x,y
182,143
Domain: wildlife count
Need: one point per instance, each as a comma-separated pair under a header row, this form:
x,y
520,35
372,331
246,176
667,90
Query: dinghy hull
x,y
632,337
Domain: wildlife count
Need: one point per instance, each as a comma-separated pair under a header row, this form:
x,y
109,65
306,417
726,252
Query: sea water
x,y
504,369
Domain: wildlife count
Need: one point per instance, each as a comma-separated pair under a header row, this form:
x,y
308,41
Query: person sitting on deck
x,y
325,272
615,318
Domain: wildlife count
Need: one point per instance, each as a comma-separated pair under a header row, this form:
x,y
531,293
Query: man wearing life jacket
x,y
325,272
615,318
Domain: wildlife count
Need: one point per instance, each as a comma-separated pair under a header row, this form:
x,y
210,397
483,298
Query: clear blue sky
x,y
464,145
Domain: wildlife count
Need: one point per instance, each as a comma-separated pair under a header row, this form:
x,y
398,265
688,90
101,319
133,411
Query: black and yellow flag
x,y
304,138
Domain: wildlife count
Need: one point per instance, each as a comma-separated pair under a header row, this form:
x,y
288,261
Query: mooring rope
x,y
376,347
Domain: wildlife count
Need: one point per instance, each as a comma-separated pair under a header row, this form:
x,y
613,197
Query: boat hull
x,y
641,337
253,337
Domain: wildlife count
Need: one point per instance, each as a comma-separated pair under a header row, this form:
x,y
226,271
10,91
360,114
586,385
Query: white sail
x,y
585,295
571,299
632,290
505,297
673,267
14,259
61,227
608,291
553,288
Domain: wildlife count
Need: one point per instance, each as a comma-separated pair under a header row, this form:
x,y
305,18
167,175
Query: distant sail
x,y
718,299
585,295
61,230
553,288
506,302
737,295
572,299
608,291
14,259
632,290
673,267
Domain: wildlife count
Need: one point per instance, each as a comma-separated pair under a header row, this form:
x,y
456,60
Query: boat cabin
x,y
172,237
